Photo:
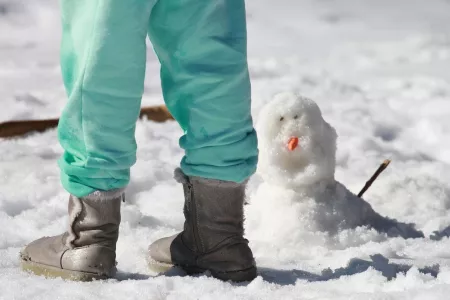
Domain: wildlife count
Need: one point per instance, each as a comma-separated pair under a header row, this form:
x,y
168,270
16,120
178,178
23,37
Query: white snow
x,y
378,70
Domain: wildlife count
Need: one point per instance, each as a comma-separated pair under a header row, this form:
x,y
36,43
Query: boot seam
x,y
61,259
223,243
198,225
199,245
73,236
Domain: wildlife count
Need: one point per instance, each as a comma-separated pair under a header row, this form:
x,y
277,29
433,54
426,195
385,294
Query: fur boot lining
x,y
180,176
105,195
183,178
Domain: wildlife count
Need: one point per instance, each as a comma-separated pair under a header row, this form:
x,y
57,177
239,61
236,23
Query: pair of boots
x,y
212,238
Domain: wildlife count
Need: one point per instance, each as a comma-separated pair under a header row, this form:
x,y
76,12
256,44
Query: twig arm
x,y
377,173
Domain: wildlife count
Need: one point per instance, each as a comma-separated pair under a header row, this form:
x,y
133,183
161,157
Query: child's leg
x,y
103,56
202,48
103,63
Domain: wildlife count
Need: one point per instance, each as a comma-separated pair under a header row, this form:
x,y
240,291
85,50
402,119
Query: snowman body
x,y
297,163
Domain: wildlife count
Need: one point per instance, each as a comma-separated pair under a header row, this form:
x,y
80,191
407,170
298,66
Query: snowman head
x,y
297,147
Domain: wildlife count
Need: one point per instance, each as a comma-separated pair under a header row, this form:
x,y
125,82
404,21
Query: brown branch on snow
x,y
18,128
22,127
380,169
158,113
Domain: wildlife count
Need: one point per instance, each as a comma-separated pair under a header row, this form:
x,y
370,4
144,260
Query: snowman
x,y
299,195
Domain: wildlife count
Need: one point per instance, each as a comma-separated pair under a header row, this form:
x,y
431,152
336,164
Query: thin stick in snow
x,y
380,169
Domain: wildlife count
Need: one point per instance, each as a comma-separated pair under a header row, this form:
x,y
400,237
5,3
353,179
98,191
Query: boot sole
x,y
236,276
54,272
158,267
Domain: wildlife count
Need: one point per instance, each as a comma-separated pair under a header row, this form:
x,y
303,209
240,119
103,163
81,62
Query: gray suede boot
x,y
212,239
87,250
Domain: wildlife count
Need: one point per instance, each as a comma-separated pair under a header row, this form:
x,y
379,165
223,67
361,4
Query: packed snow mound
x,y
298,149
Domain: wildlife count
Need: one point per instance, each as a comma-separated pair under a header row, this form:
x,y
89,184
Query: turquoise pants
x,y
201,45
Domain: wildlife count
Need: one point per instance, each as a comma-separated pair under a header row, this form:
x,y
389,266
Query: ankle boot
x,y
212,239
87,250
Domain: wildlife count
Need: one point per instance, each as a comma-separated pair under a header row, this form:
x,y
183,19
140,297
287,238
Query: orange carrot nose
x,y
293,143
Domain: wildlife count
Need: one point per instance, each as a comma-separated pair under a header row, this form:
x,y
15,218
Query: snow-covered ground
x,y
379,71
